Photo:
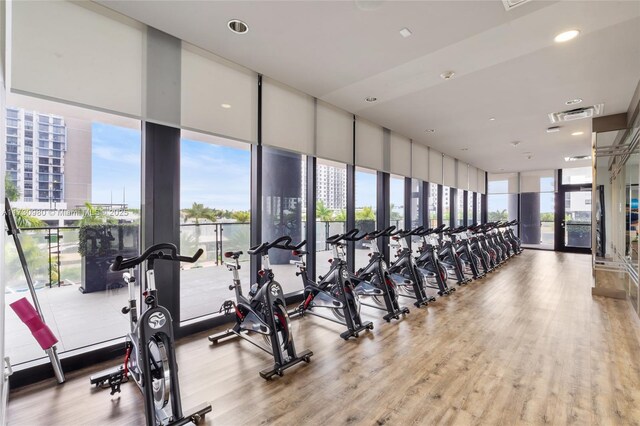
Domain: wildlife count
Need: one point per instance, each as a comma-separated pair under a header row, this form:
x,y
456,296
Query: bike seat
x,y
233,254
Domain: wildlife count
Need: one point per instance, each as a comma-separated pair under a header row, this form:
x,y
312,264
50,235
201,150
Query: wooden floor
x,y
528,345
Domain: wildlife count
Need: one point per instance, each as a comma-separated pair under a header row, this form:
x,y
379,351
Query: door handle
x,y
562,224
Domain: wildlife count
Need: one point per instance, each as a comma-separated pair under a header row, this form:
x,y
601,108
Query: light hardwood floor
x,y
527,345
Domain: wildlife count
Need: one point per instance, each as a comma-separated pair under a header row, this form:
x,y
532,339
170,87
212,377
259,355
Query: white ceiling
x,y
506,63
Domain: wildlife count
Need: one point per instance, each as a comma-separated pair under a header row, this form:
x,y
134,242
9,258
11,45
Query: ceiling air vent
x,y
576,114
510,4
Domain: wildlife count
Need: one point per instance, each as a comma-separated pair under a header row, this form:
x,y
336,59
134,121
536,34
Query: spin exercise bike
x,y
374,280
264,312
405,271
150,358
335,291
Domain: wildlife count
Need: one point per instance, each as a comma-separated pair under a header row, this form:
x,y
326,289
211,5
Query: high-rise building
x,y
47,170
331,186
36,145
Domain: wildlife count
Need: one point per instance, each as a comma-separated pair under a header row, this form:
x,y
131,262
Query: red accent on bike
x,y
238,312
126,361
308,300
295,253
330,260
370,254
282,321
228,254
261,272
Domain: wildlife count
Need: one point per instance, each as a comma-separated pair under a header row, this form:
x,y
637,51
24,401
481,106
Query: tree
x,y
498,215
95,216
323,213
341,216
23,220
366,213
241,216
198,211
10,189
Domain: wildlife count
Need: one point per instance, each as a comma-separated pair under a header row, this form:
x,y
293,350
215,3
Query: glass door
x,y
575,220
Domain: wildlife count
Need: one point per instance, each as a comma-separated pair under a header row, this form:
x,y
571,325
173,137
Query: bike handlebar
x,y
154,252
266,246
377,234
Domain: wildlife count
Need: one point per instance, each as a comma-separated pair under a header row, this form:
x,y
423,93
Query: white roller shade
x,y
77,53
369,144
217,96
482,181
449,171
334,133
463,175
503,183
400,155
420,162
538,181
288,118
473,179
435,166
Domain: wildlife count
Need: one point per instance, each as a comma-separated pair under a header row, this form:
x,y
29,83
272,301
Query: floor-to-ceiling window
x,y
502,199
283,209
470,196
396,201
433,205
446,205
417,207
479,207
537,208
365,214
331,208
74,180
214,216
460,196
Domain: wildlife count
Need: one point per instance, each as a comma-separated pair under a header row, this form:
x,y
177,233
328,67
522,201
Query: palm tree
x,y
241,216
95,216
341,216
10,189
366,213
23,220
323,213
198,211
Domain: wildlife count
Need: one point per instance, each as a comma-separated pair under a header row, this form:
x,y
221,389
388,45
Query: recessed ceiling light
x,y
515,143
553,129
447,75
370,99
225,106
430,130
405,32
573,101
566,36
464,149
577,133
237,26
492,119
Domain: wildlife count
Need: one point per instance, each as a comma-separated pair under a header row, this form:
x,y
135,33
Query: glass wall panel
x,y
433,205
214,216
479,207
331,208
460,196
502,207
79,211
396,201
366,199
283,209
417,207
446,205
537,219
469,208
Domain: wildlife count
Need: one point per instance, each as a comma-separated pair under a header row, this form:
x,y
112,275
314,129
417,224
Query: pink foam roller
x,y
28,315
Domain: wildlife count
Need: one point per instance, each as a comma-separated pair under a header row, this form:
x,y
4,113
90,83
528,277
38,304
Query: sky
x,y
365,189
115,164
